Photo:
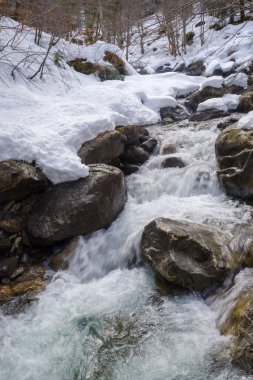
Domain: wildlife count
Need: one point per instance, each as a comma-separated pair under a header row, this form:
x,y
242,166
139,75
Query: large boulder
x,y
234,152
20,179
187,254
103,149
80,207
200,96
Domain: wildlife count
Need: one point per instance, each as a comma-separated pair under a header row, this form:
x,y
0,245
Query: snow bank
x,y
228,102
43,122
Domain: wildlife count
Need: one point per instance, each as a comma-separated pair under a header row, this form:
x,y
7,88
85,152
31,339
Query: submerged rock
x,y
135,155
234,152
168,148
172,162
61,260
20,179
80,207
190,255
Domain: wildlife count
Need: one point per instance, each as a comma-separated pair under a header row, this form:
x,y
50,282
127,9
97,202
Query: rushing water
x,y
104,318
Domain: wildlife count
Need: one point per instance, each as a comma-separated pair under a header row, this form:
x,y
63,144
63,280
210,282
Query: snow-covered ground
x,y
230,47
48,120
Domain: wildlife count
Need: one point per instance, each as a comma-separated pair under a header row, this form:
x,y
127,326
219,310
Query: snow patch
x,y
214,81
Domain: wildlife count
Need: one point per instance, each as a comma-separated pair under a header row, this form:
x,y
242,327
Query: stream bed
x,y
105,318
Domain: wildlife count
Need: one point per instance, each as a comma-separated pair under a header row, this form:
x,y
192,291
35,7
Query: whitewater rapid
x,y
104,318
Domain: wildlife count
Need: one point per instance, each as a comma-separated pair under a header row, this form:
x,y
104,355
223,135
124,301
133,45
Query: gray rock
x,y
80,207
191,255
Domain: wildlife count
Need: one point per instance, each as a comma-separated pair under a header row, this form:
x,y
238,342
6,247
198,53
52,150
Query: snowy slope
x,y
48,120
229,47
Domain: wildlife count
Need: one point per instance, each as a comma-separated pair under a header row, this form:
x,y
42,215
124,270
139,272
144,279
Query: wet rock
x,y
61,260
180,68
20,179
129,169
208,115
135,155
5,243
195,68
172,162
79,207
149,145
176,113
190,255
246,102
134,134
103,149
234,153
168,148
12,225
227,123
8,265
34,272
200,96
16,273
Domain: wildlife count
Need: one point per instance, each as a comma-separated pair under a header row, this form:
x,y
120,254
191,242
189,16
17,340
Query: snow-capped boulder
x,y
216,103
191,255
228,103
79,207
236,82
200,96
